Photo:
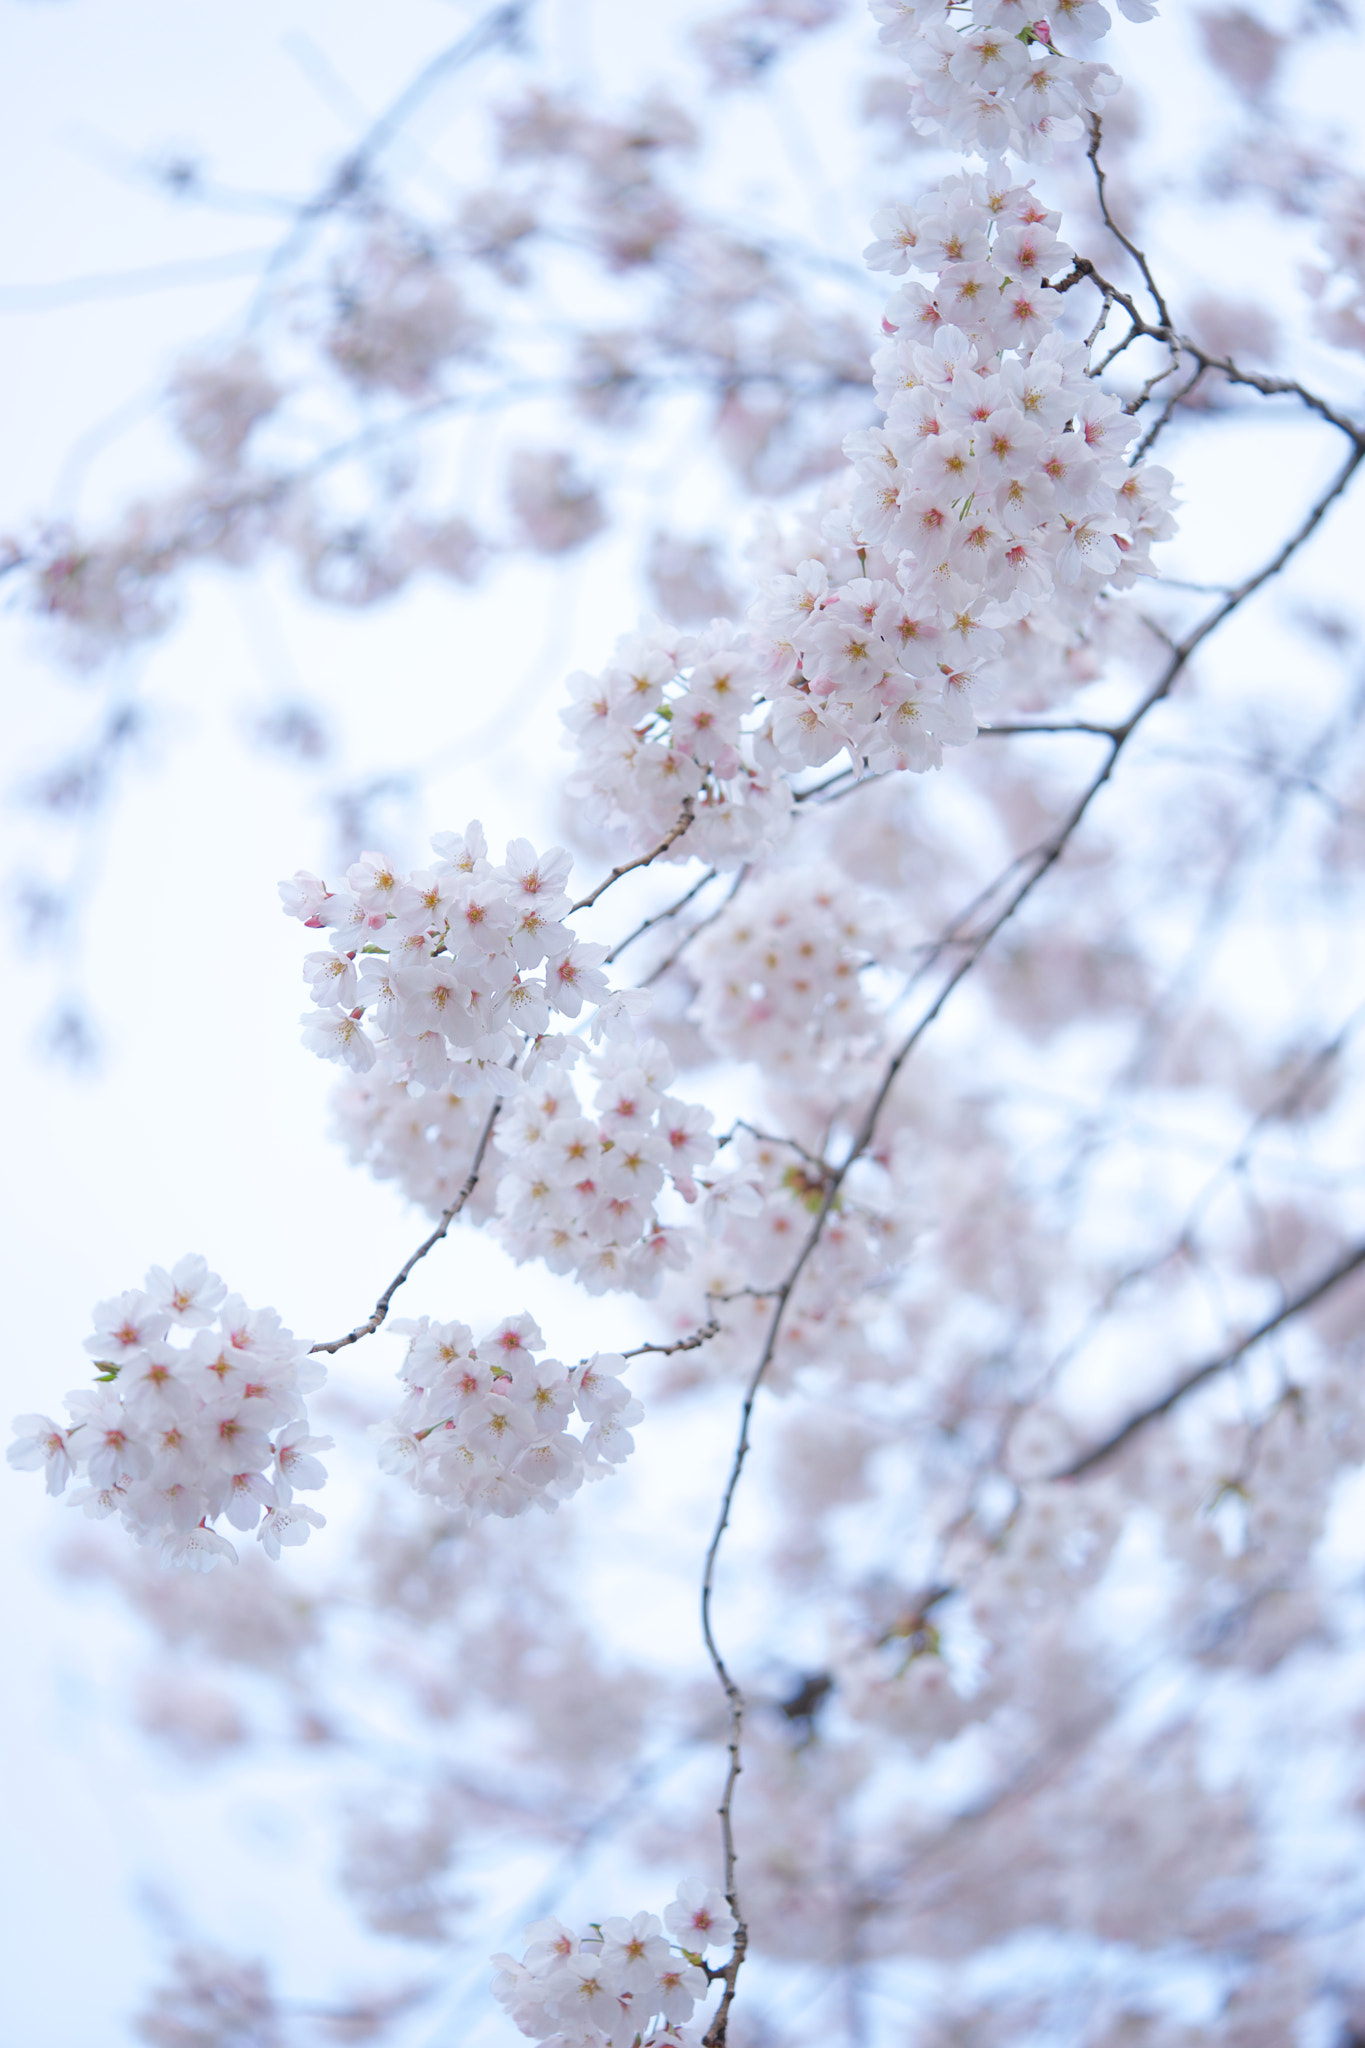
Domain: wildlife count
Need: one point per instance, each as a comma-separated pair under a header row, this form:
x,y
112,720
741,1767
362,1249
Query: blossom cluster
x,y
423,1139
998,81
670,721
1338,286
440,962
991,509
482,1427
778,975
177,1435
620,1982
986,515
579,1191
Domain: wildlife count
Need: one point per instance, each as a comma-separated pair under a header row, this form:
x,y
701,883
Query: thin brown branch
x,y
1199,1374
1269,387
770,1138
381,1307
628,867
692,1343
1093,152
660,916
1164,417
694,931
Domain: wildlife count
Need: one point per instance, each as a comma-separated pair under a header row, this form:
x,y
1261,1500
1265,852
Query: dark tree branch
x,y
660,916
1199,1374
381,1307
1040,863
628,867
1093,152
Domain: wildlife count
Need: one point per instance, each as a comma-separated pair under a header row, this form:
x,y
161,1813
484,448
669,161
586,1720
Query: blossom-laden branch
x,y
1040,864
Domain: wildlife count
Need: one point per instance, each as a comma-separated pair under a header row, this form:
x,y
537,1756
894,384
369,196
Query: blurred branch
x,y
120,284
1342,1270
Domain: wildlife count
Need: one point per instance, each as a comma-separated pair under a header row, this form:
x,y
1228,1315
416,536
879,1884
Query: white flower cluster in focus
x,y
988,514
445,959
619,1982
180,1434
580,1191
998,81
483,1427
670,720
991,509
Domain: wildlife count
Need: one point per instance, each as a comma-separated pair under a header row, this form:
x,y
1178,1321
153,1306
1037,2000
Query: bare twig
x,y
694,931
1269,387
1105,732
660,917
628,867
1196,1377
1093,152
769,1138
381,1307
692,1343
1164,417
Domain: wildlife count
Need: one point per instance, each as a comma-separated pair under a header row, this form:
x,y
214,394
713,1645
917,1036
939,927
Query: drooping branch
x,y
1038,865
1093,153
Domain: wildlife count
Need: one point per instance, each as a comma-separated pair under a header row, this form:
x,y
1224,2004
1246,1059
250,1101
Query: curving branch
x,y
628,867
1350,1263
381,1307
1038,864
1083,270
692,1343
1093,153
660,916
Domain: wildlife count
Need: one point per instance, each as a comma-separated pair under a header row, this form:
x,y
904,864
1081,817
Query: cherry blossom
x,y
178,1435
620,1981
